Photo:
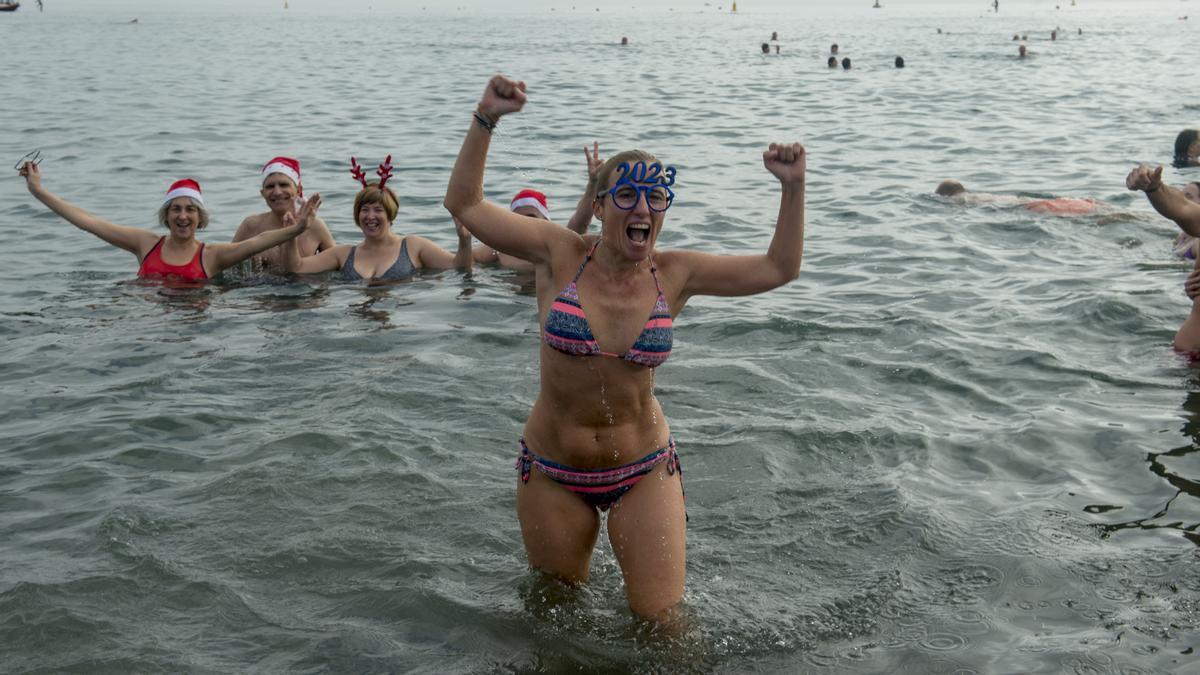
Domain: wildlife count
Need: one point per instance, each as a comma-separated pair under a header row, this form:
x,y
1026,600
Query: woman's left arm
x,y
731,275
228,255
428,254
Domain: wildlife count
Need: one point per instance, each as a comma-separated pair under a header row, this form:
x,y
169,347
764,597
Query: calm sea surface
x,y
959,443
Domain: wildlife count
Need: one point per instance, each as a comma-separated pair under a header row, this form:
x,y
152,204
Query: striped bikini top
x,y
567,328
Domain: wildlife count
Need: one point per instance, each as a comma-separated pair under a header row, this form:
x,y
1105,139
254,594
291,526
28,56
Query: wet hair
x,y
766,48
373,194
832,62
610,165
950,188
899,61
846,63
1182,142
162,213
833,48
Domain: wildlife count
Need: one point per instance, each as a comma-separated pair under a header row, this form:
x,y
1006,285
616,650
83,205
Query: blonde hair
x,y
609,166
373,194
162,213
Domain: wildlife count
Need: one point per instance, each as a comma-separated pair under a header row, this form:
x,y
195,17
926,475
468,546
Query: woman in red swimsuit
x,y
596,439
178,255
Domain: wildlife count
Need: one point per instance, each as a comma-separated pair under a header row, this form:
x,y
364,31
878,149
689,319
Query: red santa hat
x,y
531,198
184,187
286,166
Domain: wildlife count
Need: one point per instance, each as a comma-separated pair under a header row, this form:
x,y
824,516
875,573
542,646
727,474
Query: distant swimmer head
x,y
833,48
530,203
624,40
766,48
832,62
1022,52
899,61
1187,148
846,63
375,199
1016,37
183,197
774,35
950,188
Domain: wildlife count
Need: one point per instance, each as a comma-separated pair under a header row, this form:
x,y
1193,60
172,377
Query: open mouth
x,y
638,233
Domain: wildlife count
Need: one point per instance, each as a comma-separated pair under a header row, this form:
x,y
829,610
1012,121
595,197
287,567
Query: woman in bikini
x,y
382,255
178,255
280,189
596,439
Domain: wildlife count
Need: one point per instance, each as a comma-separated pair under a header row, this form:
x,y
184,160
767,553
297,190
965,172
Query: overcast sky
x,y
325,6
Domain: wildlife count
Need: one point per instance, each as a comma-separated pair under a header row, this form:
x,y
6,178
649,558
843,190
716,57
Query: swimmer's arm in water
x,y
133,239
426,254
1168,201
708,274
484,254
582,218
227,255
527,238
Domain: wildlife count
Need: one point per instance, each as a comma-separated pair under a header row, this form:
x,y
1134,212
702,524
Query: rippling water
x,y
958,443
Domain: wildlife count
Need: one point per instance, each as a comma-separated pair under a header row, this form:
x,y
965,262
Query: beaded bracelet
x,y
484,122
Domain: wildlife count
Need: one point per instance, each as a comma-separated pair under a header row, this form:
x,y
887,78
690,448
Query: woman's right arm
x,y
1168,201
531,239
133,239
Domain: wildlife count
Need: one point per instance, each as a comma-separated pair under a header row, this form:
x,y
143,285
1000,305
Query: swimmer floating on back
x,y
178,255
597,439
382,255
1057,206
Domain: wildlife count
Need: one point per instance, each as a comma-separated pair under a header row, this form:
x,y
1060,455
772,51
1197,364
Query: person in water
x,y
178,255
596,439
1022,52
1174,205
766,48
1187,148
382,255
1056,206
281,188
533,204
832,62
846,63
899,61
1187,246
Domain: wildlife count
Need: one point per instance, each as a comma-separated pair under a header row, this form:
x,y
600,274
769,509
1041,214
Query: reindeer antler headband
x,y
384,172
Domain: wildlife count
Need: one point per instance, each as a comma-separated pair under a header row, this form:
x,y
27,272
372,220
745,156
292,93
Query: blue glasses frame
x,y
643,192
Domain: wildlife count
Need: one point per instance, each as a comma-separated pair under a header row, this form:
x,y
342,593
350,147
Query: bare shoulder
x,y
252,226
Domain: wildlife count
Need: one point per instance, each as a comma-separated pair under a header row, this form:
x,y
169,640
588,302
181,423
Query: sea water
x,y
959,442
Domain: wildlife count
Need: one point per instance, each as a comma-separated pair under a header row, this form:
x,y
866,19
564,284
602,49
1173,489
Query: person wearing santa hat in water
x,y
281,188
382,255
178,255
533,204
